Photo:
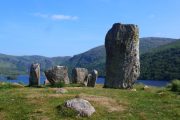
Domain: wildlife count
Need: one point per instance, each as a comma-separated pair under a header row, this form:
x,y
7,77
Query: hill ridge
x,y
94,58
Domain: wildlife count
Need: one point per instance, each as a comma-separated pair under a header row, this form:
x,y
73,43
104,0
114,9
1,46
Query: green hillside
x,y
149,43
92,59
95,58
10,65
162,63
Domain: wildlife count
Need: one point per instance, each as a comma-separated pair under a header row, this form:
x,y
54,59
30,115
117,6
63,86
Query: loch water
x,y
24,79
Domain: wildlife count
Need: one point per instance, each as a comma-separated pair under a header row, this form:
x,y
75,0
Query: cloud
x,y
63,17
56,16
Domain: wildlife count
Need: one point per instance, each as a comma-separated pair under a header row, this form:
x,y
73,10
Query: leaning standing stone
x,y
80,76
92,78
34,77
122,56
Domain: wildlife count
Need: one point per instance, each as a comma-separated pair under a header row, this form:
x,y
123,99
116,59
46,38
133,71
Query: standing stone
x,y
80,76
122,56
57,74
92,78
34,77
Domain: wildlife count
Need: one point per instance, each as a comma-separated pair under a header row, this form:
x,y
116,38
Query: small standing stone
x,y
92,78
34,78
57,74
80,76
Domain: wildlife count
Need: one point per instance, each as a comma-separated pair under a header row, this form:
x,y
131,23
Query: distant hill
x,y
162,63
95,58
149,43
20,64
92,59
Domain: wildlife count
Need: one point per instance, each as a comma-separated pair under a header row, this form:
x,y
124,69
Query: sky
x,y
69,27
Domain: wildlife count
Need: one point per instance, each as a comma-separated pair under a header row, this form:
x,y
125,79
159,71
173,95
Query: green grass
x,y
110,104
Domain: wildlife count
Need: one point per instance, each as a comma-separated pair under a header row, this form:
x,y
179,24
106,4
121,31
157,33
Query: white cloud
x,y
63,17
56,16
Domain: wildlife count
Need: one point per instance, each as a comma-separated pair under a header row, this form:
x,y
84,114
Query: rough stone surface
x,y
92,78
34,78
80,76
89,79
122,56
57,74
83,107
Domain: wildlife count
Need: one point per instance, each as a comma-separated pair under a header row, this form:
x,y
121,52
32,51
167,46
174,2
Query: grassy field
x,y
24,103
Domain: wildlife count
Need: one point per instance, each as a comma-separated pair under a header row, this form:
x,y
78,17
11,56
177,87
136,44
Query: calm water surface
x,y
157,83
25,80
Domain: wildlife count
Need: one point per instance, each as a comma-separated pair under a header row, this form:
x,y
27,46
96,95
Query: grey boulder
x,y
83,107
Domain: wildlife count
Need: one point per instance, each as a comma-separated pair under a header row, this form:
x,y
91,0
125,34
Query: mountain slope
x,y
95,58
149,43
20,64
162,63
92,59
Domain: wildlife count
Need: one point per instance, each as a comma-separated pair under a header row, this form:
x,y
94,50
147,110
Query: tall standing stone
x,y
57,74
80,76
122,56
34,78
